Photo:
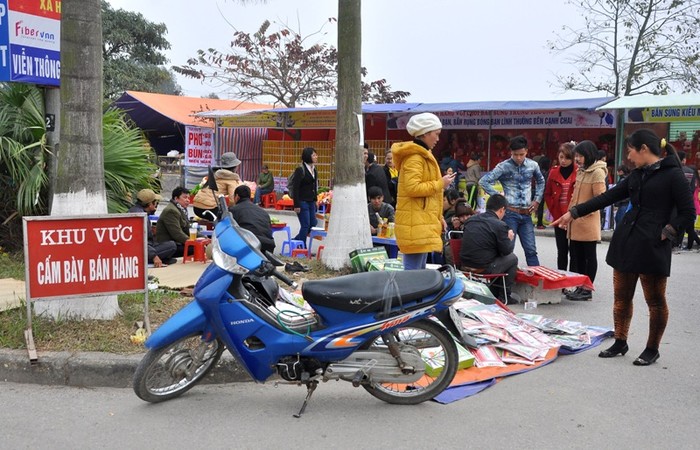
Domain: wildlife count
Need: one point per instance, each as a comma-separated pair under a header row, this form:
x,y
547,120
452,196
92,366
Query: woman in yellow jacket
x,y
419,220
584,234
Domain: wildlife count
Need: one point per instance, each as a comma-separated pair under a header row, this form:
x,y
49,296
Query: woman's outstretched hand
x,y
563,222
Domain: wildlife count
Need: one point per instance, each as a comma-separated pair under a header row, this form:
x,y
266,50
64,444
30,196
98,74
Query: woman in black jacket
x,y
642,243
306,192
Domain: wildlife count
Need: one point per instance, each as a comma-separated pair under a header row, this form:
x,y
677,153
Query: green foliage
x,y
280,65
632,47
127,161
24,160
11,265
89,335
132,54
23,153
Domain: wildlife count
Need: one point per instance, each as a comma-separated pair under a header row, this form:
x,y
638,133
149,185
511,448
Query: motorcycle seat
x,y
364,292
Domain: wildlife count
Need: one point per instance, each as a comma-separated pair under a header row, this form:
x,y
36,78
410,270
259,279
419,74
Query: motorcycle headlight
x,y
224,260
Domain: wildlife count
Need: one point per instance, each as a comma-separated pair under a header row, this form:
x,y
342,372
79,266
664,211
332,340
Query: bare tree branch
x,y
632,46
282,65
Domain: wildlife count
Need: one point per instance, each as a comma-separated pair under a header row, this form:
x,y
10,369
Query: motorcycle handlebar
x,y
285,279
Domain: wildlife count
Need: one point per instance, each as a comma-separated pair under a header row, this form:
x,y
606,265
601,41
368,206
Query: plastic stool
x,y
268,200
291,245
297,252
318,252
198,254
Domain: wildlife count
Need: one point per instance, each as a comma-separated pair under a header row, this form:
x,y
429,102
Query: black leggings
x,y
584,259
562,248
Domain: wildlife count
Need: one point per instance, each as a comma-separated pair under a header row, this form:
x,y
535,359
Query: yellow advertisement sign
x,y
670,114
299,119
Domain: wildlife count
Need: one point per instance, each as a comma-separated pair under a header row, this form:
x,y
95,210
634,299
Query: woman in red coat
x,y
557,195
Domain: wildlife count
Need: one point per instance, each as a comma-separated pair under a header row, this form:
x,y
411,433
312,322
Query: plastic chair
x,y
318,253
269,200
292,245
299,252
198,254
492,280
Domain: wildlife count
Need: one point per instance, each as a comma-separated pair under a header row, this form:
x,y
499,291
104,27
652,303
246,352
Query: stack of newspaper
x,y
506,338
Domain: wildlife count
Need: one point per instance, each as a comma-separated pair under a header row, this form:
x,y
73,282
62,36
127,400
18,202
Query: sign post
x,y
83,256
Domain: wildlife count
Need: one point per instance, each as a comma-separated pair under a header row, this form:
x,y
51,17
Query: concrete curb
x,y
94,369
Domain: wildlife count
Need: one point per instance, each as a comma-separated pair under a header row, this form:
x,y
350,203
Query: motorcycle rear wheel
x,y
424,334
169,372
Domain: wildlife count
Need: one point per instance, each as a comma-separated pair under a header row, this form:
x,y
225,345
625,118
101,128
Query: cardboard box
x,y
434,364
360,257
389,265
476,290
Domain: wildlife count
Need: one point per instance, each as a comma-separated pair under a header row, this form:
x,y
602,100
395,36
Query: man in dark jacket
x,y
252,217
375,176
159,253
488,243
173,223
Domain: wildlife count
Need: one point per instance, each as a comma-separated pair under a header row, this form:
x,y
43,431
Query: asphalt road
x,y
578,401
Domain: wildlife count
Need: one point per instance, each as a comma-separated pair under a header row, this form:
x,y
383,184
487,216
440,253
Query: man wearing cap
x,y
516,175
159,253
173,223
419,221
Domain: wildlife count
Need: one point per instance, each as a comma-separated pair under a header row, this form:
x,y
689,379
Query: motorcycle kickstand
x,y
310,388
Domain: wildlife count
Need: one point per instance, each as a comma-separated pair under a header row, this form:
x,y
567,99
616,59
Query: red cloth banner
x,y
83,256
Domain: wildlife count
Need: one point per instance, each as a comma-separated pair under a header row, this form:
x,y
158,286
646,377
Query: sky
x,y
439,50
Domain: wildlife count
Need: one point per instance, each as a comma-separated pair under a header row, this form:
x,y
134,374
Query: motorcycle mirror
x,y
208,213
273,259
211,181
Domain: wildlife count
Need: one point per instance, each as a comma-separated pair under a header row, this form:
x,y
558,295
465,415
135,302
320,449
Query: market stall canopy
x,y
324,117
526,105
652,101
164,113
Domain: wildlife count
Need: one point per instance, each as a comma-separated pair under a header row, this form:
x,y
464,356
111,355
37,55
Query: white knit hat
x,y
423,123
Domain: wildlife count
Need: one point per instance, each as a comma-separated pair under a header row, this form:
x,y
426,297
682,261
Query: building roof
x,y
164,112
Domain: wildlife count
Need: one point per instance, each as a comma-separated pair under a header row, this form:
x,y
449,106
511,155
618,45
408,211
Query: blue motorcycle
x,y
393,333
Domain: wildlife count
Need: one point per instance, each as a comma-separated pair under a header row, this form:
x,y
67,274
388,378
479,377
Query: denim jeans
x,y
307,219
522,226
260,192
415,261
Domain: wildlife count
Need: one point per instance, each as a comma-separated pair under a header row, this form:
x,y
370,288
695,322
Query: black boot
x,y
580,294
618,348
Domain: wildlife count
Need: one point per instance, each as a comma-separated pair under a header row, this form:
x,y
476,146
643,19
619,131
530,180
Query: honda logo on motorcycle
x,y
241,322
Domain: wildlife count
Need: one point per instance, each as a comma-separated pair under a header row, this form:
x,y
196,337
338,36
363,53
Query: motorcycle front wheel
x,y
438,351
172,370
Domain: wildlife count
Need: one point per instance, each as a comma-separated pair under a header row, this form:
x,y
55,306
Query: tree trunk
x,y
349,224
80,185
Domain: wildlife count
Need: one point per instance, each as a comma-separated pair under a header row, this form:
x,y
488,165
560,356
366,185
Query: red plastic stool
x,y
320,249
268,200
300,252
198,253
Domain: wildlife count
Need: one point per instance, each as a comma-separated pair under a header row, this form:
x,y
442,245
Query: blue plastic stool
x,y
290,245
